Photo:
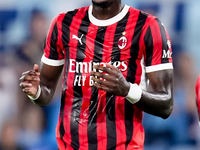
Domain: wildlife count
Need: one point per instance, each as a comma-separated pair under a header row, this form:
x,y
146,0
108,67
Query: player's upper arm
x,y
158,99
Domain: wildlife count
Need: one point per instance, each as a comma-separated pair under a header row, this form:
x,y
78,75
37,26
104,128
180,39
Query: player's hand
x,y
30,81
110,79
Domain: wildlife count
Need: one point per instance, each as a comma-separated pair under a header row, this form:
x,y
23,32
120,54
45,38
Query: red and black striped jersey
x,y
197,87
133,41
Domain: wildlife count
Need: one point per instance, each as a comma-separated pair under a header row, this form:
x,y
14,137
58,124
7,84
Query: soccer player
x,y
198,97
117,63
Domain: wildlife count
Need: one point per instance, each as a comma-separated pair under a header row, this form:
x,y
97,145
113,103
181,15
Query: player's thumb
x,y
36,68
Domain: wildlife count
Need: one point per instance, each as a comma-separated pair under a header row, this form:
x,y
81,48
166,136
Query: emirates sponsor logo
x,y
83,78
86,67
169,43
167,54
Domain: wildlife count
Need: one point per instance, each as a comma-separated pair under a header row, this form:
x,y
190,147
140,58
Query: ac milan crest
x,y
122,42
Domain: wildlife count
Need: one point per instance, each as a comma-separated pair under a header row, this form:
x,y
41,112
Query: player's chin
x,y
99,2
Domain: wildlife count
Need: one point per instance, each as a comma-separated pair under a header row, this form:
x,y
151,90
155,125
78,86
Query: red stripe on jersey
x,y
119,101
101,121
59,41
101,107
83,120
57,21
198,96
130,29
139,58
86,92
60,143
48,38
138,132
69,91
157,41
142,46
139,69
120,124
108,43
141,53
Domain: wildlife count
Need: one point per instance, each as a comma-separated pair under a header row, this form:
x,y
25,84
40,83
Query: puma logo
x,y
77,38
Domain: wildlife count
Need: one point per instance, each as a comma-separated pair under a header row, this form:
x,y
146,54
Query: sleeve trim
x,y
52,62
159,67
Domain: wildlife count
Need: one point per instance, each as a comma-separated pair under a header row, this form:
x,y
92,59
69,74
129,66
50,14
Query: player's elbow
x,y
167,112
167,106
167,109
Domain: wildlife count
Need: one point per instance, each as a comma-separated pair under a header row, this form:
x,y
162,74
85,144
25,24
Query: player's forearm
x,y
48,81
158,104
45,96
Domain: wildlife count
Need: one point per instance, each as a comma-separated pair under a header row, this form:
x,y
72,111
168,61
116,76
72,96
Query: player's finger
x,y
28,78
103,82
31,72
24,85
27,91
112,67
104,88
36,68
104,76
111,70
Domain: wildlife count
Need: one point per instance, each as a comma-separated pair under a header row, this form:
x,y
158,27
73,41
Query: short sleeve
x,y
53,49
158,54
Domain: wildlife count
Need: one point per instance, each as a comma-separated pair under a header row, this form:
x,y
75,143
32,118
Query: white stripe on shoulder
x,y
52,62
159,67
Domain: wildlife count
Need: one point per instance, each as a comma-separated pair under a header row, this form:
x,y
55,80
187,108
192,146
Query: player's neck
x,y
107,10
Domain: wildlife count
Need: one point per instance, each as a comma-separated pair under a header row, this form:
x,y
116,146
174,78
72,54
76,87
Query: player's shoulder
x,y
83,9
69,13
142,14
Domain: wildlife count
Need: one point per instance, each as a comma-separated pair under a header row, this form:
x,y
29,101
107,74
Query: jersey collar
x,y
110,21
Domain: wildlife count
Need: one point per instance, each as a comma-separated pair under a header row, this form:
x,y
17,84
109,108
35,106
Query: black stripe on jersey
x,y
110,99
44,45
78,95
148,40
92,123
92,126
135,47
98,49
54,38
164,41
129,110
65,38
110,122
61,128
121,27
